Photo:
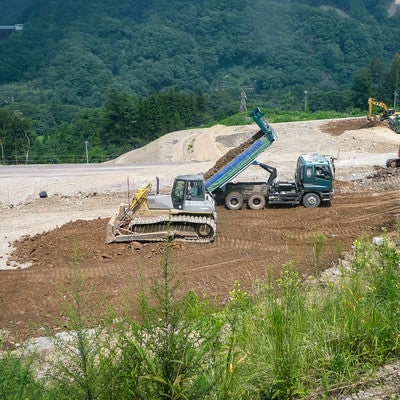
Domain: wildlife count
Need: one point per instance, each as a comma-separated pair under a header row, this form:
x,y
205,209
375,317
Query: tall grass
x,y
318,241
283,339
17,381
73,372
281,326
178,339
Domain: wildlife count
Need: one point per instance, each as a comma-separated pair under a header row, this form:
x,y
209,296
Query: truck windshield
x,y
322,171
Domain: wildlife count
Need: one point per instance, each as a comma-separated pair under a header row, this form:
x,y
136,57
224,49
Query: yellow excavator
x,y
385,111
391,115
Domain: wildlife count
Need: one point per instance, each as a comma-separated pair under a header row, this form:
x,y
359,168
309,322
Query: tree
x,y
119,118
362,88
392,81
16,137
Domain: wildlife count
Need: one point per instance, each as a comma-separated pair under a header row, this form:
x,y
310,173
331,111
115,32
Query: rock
x,y
136,245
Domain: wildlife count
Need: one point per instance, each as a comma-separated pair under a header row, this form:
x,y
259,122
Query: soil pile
x,y
231,154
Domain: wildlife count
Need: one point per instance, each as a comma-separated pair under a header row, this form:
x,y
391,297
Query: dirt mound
x,y
231,154
337,127
381,179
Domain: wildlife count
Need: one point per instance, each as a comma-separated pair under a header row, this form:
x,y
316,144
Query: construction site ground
x,y
45,241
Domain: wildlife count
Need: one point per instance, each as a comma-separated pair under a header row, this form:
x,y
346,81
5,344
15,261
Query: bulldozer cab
x,y
187,189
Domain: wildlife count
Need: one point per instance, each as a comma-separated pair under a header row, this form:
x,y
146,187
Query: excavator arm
x,y
384,113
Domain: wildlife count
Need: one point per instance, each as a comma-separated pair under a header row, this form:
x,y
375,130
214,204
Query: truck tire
x,y
311,200
234,201
256,201
393,163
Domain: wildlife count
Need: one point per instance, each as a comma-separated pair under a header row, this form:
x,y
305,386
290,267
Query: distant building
x,y
6,30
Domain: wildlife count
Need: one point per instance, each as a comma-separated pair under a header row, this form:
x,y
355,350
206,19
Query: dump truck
x,y
187,213
313,184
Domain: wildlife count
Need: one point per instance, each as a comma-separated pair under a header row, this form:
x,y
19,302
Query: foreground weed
x,y
176,341
357,322
318,241
281,321
235,333
75,374
371,301
17,381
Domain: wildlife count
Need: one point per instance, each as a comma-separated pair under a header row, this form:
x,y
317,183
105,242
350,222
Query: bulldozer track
x,y
187,228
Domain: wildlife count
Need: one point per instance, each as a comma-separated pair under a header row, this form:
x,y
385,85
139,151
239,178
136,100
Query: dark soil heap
x,y
231,154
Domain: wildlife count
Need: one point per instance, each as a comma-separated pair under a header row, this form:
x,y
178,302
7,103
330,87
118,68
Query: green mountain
x,y
73,52
118,74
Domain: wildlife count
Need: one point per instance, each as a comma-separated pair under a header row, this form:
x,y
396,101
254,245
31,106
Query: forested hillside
x,y
71,55
74,51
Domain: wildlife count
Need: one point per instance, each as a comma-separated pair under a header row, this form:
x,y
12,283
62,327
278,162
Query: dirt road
x,y
248,245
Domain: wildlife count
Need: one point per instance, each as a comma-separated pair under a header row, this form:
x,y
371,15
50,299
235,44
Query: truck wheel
x,y
393,163
234,201
311,200
256,201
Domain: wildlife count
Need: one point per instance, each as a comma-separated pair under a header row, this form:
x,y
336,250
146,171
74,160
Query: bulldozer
x,y
187,213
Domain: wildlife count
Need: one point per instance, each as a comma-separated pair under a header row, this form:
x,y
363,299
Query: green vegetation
x,y
284,339
318,241
124,123
118,75
74,53
275,116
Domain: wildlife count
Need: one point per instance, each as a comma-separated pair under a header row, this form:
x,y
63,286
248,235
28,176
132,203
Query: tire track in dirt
x,y
237,243
248,243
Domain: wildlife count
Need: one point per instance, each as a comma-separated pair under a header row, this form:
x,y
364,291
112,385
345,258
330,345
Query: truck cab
x,y
314,179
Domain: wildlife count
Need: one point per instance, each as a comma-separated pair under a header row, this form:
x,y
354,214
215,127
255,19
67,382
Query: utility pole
x,y
305,101
243,98
395,99
87,154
